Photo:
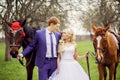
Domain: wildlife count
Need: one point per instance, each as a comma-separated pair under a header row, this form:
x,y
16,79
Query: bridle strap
x,y
17,45
99,49
104,49
14,32
18,29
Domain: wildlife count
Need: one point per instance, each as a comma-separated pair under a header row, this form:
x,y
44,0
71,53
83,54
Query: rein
x,y
21,62
88,66
87,61
103,50
98,48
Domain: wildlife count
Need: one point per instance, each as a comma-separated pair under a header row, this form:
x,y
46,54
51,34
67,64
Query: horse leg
x,y
115,70
29,69
111,71
105,73
101,71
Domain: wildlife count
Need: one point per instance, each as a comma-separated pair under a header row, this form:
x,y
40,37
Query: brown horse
x,y
106,49
20,35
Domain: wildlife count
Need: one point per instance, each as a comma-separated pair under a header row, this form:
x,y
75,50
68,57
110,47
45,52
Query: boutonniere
x,y
61,41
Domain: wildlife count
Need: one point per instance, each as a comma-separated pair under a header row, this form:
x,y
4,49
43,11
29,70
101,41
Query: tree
x,y
35,11
103,13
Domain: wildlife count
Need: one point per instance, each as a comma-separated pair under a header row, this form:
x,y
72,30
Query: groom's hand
x,y
19,56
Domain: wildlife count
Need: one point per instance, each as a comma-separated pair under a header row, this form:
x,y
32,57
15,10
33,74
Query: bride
x,y
67,66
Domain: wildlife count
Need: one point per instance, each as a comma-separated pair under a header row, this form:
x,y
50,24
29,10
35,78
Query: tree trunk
x,y
7,50
119,31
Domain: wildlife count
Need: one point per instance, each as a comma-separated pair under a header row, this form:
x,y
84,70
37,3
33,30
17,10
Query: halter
x,y
14,31
104,49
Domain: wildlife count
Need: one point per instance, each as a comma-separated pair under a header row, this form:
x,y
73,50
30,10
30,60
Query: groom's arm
x,y
31,46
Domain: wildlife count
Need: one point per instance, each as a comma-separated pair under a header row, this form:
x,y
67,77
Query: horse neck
x,y
29,36
112,41
30,32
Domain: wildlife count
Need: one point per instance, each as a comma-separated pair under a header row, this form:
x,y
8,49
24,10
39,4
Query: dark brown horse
x,y
106,49
20,35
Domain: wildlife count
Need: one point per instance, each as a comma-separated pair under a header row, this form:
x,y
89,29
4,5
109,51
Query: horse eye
x,y
94,40
105,41
10,31
19,33
103,35
11,34
20,30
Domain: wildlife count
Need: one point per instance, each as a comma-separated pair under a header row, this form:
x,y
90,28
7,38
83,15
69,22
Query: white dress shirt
x,y
48,44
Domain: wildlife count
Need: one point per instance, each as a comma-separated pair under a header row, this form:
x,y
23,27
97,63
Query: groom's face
x,y
55,27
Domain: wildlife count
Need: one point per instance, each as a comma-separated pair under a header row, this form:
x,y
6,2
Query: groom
x,y
47,41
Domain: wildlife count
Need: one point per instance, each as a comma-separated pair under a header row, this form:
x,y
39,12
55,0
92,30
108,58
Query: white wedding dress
x,y
70,69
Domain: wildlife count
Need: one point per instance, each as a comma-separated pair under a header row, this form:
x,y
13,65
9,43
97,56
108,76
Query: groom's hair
x,y
53,20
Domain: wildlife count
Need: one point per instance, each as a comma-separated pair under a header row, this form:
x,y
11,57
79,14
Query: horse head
x,y
15,36
100,42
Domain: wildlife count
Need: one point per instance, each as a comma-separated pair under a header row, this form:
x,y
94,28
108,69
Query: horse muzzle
x,y
99,59
14,54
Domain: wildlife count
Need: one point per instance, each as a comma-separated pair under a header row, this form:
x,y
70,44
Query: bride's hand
x,y
57,71
87,54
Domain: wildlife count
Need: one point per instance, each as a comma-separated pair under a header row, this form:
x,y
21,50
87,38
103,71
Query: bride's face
x,y
65,36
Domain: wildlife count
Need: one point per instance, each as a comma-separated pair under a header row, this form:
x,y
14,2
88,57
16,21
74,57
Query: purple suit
x,y
40,41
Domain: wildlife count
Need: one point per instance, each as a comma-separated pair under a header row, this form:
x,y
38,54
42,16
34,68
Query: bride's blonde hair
x,y
71,34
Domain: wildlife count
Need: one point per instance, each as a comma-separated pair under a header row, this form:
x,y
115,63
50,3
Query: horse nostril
x,y
99,59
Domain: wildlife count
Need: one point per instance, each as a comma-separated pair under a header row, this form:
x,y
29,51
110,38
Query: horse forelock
x,y
100,31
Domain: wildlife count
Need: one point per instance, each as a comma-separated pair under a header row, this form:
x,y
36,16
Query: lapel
x,y
44,38
56,37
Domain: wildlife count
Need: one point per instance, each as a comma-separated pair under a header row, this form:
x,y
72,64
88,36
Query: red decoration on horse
x,y
15,26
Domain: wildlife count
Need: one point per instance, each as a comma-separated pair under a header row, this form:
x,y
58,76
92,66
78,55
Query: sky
x,y
74,21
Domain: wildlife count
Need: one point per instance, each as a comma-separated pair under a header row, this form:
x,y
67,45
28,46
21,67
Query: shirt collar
x,y
48,31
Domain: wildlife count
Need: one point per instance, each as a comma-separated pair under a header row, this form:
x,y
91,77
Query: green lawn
x,y
13,70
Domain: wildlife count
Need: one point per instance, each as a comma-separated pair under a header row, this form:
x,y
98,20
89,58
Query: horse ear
x,y
94,27
23,22
107,27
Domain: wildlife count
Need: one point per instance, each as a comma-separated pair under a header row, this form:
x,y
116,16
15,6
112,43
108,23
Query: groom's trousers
x,y
47,69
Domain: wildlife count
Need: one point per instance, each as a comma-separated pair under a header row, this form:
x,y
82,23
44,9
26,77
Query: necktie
x,y
51,40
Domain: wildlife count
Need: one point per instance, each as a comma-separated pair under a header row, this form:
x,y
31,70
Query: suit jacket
x,y
40,41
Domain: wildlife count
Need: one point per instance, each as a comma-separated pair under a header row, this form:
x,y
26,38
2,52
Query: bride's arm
x,y
58,61
82,57
77,57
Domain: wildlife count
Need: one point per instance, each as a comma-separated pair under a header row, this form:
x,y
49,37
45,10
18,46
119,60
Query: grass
x,y
83,47
12,70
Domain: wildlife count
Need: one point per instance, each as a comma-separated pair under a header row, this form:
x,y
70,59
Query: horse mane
x,y
30,32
